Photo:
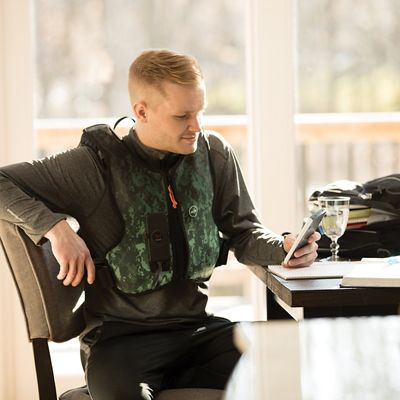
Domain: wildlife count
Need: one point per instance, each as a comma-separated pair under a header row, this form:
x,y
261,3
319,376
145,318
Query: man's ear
x,y
140,110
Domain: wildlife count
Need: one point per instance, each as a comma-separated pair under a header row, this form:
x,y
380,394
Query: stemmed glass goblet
x,y
335,220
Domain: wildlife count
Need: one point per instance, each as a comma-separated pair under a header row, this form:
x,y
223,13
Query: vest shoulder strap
x,y
103,141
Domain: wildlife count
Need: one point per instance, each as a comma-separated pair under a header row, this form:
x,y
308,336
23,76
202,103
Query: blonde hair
x,y
153,67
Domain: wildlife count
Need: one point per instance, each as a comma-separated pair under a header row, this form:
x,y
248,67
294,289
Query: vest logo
x,y
193,211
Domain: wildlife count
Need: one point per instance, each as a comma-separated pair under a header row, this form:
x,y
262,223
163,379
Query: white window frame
x,y
17,380
270,85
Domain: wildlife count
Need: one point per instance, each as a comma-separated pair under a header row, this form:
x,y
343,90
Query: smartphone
x,y
309,227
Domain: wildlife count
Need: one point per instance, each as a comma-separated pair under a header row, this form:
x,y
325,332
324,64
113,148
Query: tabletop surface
x,y
324,292
329,358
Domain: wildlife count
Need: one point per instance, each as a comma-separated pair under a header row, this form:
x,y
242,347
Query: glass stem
x,y
335,249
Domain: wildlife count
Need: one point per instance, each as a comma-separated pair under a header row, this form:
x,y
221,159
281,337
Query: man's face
x,y
174,123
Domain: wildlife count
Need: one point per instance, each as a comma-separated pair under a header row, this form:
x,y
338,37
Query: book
x,y
359,213
319,269
356,222
358,217
353,206
356,225
383,272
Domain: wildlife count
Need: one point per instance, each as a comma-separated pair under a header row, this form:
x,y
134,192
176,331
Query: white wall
x,y
17,377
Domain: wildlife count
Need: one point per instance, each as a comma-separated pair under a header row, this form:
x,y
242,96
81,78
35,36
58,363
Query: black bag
x,y
378,239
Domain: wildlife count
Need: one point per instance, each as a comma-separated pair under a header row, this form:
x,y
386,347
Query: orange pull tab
x,y
172,197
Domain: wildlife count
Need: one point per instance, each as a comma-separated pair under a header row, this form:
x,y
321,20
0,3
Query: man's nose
x,y
195,124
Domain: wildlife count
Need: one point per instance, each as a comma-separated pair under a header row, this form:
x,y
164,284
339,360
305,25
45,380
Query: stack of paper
x,y
321,269
383,272
376,272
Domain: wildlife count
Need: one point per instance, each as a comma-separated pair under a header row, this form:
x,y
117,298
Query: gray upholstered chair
x,y
49,311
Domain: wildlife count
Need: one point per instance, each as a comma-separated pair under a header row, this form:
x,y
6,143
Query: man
x,y
152,208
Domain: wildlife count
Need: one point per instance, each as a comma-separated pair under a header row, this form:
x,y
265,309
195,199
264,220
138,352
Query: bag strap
x,y
121,119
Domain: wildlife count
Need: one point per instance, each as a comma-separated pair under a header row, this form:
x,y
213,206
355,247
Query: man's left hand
x,y
304,256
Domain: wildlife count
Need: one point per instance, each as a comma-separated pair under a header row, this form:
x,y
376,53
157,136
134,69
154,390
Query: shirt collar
x,y
152,157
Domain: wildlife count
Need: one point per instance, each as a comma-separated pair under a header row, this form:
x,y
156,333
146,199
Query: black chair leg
x,y
44,370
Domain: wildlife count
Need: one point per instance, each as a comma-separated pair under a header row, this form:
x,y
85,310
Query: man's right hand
x,y
71,253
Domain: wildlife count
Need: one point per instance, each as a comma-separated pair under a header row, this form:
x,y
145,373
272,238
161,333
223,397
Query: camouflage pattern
x,y
139,192
194,179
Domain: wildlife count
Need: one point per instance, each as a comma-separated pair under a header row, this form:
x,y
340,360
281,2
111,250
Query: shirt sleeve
x,y
234,212
36,195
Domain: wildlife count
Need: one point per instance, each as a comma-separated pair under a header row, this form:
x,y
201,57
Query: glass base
x,y
331,259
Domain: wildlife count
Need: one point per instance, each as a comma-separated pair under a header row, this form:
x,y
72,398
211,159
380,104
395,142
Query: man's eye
x,y
181,116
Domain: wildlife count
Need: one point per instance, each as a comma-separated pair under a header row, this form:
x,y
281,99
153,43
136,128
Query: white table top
x,y
328,359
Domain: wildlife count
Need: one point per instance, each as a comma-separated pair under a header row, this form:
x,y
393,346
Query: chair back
x,y
49,306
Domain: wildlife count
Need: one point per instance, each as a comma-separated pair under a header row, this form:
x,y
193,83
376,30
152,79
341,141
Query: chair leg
x,y
44,370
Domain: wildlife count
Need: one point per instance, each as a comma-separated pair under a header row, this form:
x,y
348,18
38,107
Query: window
x,y
84,50
348,91
348,56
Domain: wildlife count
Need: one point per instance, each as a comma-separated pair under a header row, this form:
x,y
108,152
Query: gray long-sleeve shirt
x,y
37,195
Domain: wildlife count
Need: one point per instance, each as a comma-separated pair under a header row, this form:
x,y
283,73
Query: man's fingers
x,y
74,272
314,237
91,270
305,256
303,261
308,248
63,271
71,274
88,265
80,270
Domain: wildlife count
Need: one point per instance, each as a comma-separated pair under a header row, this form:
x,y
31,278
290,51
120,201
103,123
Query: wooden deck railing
x,y
357,147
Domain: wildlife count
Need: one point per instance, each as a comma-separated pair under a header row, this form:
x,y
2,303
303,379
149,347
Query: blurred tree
x,y
348,59
84,49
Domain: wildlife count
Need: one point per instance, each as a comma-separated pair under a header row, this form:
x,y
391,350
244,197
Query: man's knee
x,y
114,383
124,391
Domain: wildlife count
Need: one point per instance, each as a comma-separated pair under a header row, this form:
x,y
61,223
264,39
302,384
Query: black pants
x,y
137,365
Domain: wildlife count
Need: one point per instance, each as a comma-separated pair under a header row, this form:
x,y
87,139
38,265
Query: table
x,y
315,298
329,359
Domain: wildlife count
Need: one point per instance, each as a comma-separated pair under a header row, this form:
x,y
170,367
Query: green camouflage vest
x,y
140,192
